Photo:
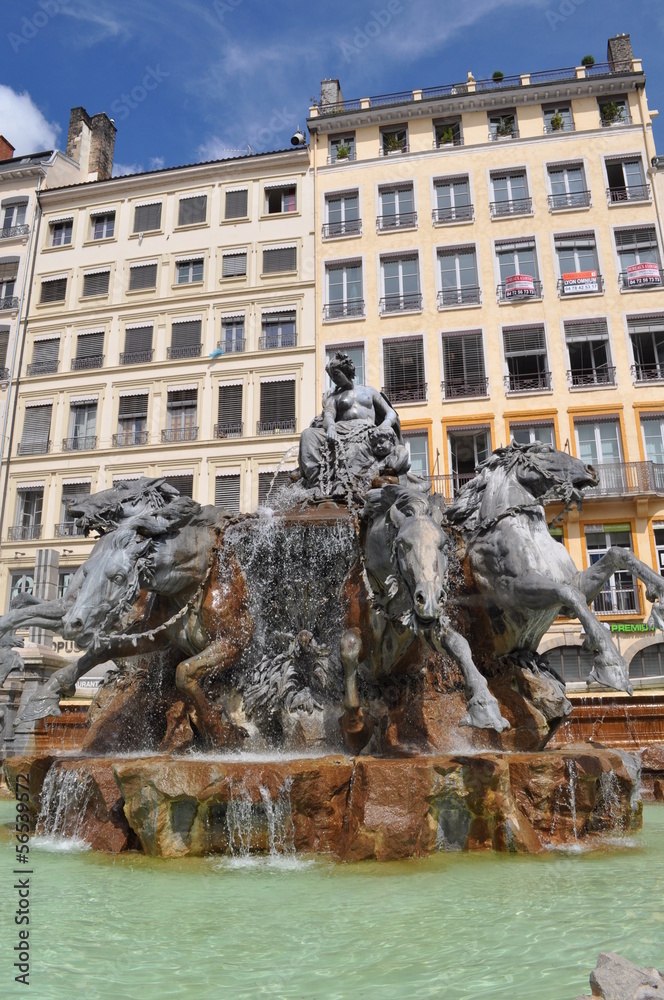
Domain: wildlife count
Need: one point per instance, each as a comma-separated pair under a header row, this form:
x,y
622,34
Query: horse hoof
x,y
39,708
610,677
356,728
484,716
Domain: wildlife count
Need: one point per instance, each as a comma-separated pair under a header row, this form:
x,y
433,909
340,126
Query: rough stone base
x,y
614,978
352,808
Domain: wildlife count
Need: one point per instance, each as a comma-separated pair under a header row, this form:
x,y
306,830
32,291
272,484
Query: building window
x,y
598,444
277,330
557,118
82,427
13,215
417,443
588,349
453,202
192,211
53,290
568,187
185,339
573,663
503,126
519,274
20,583
44,357
96,283
277,407
280,199
344,290
447,132
142,277
188,272
510,194
464,373
648,662
132,420
29,506
403,366
269,484
68,527
65,577
183,483
279,259
147,218
181,410
234,265
36,427
646,334
613,112
236,204
342,215
619,594
102,227
356,354
459,284
541,433
626,180
8,275
232,335
653,438
227,491
401,284
658,530
469,447
229,411
341,147
89,351
526,359
397,208
638,253
578,266
4,345
137,346
393,140
60,232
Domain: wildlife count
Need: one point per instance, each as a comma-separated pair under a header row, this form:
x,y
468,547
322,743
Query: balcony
x,y
275,426
576,199
174,434
506,293
468,296
624,119
85,442
191,351
515,206
11,232
412,302
69,529
584,378
402,220
613,601
535,382
275,341
449,486
4,374
34,447
456,140
350,309
403,147
231,346
414,393
83,364
635,192
129,439
590,284
9,302
630,281
501,137
627,479
333,158
453,213
461,386
565,127
228,430
24,532
644,373
42,368
136,357
351,227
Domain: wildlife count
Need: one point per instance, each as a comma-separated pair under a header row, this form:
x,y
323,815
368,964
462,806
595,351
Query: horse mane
x,y
105,511
468,501
408,500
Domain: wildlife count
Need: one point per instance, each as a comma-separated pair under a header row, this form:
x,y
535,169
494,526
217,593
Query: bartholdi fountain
x,y
352,671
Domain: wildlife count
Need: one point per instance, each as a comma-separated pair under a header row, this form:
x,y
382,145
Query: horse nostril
x,y
76,623
419,597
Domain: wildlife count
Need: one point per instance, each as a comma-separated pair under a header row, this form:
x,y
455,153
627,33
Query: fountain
x,y
352,671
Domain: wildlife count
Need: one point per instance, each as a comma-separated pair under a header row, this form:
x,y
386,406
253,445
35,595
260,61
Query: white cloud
x,y
122,169
23,124
97,24
157,163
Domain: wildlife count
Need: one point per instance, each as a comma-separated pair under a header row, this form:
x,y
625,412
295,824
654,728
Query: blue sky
x,y
187,80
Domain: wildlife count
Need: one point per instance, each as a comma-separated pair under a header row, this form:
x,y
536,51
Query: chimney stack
x,y
6,149
619,54
330,93
91,142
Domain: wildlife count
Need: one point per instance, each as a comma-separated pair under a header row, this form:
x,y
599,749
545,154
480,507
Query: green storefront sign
x,y
631,627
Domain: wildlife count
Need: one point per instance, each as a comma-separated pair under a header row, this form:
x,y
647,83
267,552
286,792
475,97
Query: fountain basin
x,y
352,808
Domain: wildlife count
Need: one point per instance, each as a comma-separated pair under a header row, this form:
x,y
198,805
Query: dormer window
x,y
342,147
503,126
393,140
558,118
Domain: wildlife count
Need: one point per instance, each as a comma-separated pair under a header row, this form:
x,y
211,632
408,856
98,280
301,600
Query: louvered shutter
x,y
582,331
229,413
138,339
403,362
90,345
636,239
582,241
187,334
9,268
4,343
646,324
36,427
70,492
97,283
45,356
227,492
269,483
182,398
147,217
134,406
53,290
234,265
463,359
279,259
524,341
142,276
277,402
192,210
183,484
236,204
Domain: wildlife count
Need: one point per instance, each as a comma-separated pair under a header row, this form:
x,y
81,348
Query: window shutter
x,y
186,334
230,405
522,341
4,343
227,492
90,345
70,492
463,357
182,398
183,484
138,338
234,265
36,427
236,204
582,331
582,241
192,210
636,239
97,283
142,276
134,406
277,401
46,351
646,324
269,483
9,268
403,361
53,290
279,259
147,217
509,246
18,200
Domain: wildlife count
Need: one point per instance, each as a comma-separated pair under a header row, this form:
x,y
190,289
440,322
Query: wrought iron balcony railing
x,y
333,158
9,302
401,220
613,601
68,529
228,430
231,346
350,227
12,231
527,383
471,295
4,374
456,140
464,385
412,302
85,442
172,434
507,294
652,372
349,309
191,351
578,378
385,151
497,137
415,393
273,341
624,119
24,532
275,426
453,213
129,439
449,486
587,286
635,192
39,447
565,127
638,285
137,357
514,206
82,364
572,199
627,479
41,368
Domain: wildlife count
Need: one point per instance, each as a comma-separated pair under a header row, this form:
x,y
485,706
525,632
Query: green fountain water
x,y
452,926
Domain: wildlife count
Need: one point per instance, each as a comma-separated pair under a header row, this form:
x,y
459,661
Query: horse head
x,y
542,469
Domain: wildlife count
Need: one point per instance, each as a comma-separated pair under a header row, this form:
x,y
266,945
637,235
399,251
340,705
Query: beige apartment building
x,y
171,332
489,252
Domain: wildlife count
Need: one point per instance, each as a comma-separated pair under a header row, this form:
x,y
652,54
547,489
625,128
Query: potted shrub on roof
x,y
392,143
588,61
498,76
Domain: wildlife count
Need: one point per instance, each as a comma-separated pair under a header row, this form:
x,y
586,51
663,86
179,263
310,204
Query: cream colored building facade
x,y
171,332
490,254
